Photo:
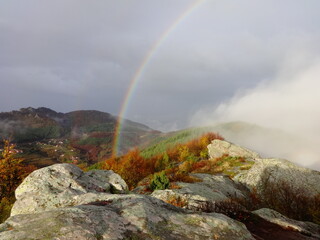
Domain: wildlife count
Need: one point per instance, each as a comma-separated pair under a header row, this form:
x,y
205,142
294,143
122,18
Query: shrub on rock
x,y
160,181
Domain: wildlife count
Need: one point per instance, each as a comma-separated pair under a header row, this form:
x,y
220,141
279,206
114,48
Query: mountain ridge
x,y
82,134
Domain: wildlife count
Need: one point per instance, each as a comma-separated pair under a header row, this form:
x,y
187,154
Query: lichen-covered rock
x,y
306,228
61,202
63,185
218,148
202,196
134,217
279,173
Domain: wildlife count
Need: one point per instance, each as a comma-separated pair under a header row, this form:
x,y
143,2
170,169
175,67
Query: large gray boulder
x,y
266,174
275,183
218,148
61,202
306,228
204,195
63,185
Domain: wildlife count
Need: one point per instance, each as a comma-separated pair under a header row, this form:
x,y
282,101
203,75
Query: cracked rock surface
x,y
61,202
63,185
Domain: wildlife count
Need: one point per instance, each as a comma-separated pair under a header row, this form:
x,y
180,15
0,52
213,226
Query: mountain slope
x,y
85,135
267,142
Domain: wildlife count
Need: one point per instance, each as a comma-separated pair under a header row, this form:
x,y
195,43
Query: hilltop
x,y
266,141
224,192
45,137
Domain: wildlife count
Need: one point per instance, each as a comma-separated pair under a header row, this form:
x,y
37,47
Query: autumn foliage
x,y
132,167
12,172
176,162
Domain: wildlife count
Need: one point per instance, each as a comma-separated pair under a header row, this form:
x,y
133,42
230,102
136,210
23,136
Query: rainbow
x,y
139,72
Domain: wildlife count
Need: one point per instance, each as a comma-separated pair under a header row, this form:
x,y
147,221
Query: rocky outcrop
x,y
62,202
63,185
136,217
131,218
266,174
306,228
218,148
204,195
278,184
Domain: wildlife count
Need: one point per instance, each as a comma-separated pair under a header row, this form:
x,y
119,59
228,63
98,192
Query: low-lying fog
x,y
289,104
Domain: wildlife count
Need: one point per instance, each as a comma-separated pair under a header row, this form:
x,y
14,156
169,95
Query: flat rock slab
x,y
218,148
202,196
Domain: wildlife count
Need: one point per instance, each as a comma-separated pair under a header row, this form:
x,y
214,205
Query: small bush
x,y
232,208
162,162
98,165
12,173
293,203
132,167
5,208
177,201
175,175
160,181
12,170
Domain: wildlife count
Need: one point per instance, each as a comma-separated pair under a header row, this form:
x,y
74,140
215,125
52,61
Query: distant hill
x,y
232,131
51,136
238,132
45,137
268,142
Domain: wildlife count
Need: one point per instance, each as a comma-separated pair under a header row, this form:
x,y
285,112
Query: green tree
x,y
163,162
160,181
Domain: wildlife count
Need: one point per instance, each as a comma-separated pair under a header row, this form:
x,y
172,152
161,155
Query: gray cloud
x,y
83,54
288,103
75,49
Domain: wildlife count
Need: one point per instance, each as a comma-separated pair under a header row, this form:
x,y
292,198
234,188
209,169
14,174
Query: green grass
x,y
105,127
161,144
231,166
95,166
94,141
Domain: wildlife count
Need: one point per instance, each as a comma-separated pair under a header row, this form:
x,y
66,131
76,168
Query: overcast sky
x,y
76,54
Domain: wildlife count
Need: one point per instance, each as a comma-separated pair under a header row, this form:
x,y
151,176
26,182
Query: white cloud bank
x,y
290,102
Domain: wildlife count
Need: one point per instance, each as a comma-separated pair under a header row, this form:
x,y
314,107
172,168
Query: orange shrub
x,y
12,170
177,201
173,153
12,173
182,177
132,167
201,166
177,161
